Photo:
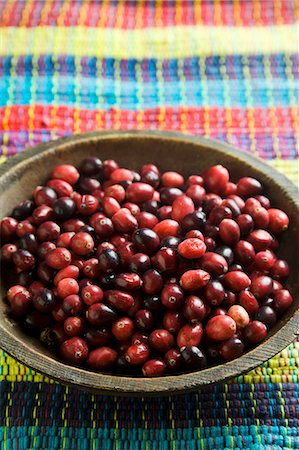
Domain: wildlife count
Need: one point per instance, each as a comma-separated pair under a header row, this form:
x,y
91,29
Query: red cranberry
x,y
97,337
13,291
73,225
124,221
100,315
103,227
48,231
230,299
152,282
59,314
172,179
74,326
72,304
236,281
123,329
264,260
278,221
189,334
240,315
193,358
195,179
90,267
249,302
161,340
8,227
165,260
125,252
247,187
172,296
214,293
122,301
88,205
144,320
154,368
24,228
61,187
66,287
194,309
218,214
139,338
7,251
146,220
276,286
261,286
282,300
260,239
139,263
64,208
127,281
21,303
102,358
116,191
173,359
244,253
58,258
167,227
192,248
70,271
181,207
66,172
216,179
255,332
44,195
220,328
82,243
164,213
217,312
194,279
232,348
137,354
266,315
213,263
233,206
139,192
110,206
109,166
196,193
229,231
45,273
121,174
23,210
173,321
23,259
92,294
245,223
44,301
280,270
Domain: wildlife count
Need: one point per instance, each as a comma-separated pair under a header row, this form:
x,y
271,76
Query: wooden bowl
x,y
170,151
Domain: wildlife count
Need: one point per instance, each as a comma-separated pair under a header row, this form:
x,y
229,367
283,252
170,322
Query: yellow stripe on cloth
x,y
186,41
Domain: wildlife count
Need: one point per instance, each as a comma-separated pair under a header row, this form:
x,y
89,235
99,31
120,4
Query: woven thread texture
x,y
223,69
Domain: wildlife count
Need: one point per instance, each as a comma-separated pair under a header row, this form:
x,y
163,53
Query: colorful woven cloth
x,y
223,69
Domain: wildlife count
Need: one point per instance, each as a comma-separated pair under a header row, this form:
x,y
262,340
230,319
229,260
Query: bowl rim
x,y
172,384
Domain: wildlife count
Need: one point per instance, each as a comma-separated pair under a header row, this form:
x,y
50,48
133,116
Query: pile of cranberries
x,y
145,273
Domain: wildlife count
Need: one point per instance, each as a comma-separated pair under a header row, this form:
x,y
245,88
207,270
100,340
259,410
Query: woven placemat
x,y
224,69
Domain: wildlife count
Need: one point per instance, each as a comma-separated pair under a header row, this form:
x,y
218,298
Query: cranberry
x,y
255,332
139,263
109,166
139,192
280,270
229,231
226,252
196,193
7,251
8,227
192,248
247,187
173,359
152,303
139,338
214,293
28,242
25,227
110,206
181,207
233,206
74,326
82,243
58,258
189,334
245,223
218,214
67,286
169,195
121,174
21,303
96,337
70,271
154,368
152,282
64,208
172,179
282,300
73,225
240,315
100,315
264,260
232,348
194,309
161,340
127,281
103,227
146,240
151,206
61,187
92,294
278,221
122,301
44,301
172,296
236,281
116,191
108,260
213,263
59,314
164,213
220,328
45,273
244,253
88,185
90,166
173,321
72,304
103,246
102,358
137,354
13,291
146,220
260,239
194,279
165,260
44,195
266,315
249,302
88,205
90,267
261,286
66,172
124,221
149,167
23,210
144,320
123,329
193,358
276,286
216,179
35,322
23,259
167,227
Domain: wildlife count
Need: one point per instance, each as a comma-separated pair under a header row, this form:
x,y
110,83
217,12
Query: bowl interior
x,y
169,152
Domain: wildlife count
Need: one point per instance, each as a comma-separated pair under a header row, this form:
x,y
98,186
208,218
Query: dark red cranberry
x,y
35,322
194,221
23,210
23,259
151,177
42,214
152,282
170,242
139,263
6,252
44,195
100,315
236,281
152,303
189,334
87,185
97,337
232,205
214,293
260,239
122,301
90,267
58,334
193,358
196,193
72,305
266,315
164,213
216,179
106,280
124,221
232,348
282,300
245,223
217,312
220,328
139,338
146,240
64,208
261,286
21,303
214,263
248,301
90,166
165,260
229,231
173,360
172,296
211,231
154,368
146,220
139,192
169,195
255,332
123,329
230,299
108,260
247,187
109,166
173,321
74,326
48,231
194,309
151,206
74,350
29,242
244,253
144,320
103,227
44,301
8,227
102,358
161,340
137,354
226,252
219,213
280,270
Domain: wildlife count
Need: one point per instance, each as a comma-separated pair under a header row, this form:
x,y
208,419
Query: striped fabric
x,y
224,69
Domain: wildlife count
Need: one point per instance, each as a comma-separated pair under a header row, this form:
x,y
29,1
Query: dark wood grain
x,y
189,155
